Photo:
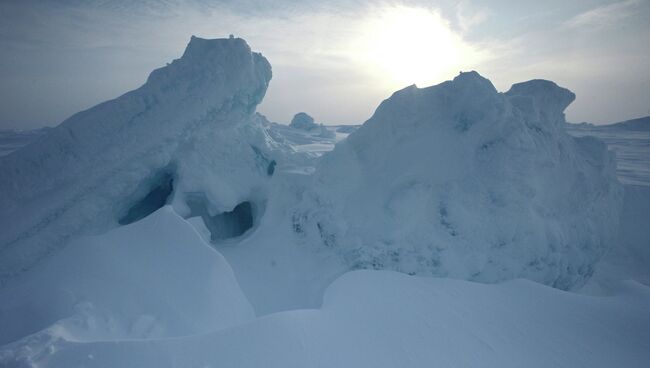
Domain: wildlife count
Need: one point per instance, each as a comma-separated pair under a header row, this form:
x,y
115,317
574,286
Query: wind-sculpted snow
x,y
103,165
459,180
386,319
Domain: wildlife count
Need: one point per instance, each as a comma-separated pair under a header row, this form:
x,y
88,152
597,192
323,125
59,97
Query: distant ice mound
x,y
462,181
303,121
123,159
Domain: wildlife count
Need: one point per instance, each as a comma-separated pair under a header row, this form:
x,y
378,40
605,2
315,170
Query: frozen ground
x,y
174,227
632,149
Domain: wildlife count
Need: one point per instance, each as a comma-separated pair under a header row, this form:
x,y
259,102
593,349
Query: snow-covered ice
x,y
386,319
151,279
11,140
99,167
176,227
459,180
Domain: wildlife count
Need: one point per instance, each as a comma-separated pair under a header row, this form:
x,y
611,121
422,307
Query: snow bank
x,y
459,180
122,159
386,319
155,278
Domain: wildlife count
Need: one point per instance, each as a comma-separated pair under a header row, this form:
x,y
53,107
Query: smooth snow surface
x,y
155,278
386,319
175,227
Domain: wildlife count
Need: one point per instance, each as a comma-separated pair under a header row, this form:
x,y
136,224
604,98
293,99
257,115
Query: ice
x,y
386,319
303,121
11,140
155,278
103,166
630,143
459,180
176,227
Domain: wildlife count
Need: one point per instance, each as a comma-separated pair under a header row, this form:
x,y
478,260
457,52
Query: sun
x,y
409,45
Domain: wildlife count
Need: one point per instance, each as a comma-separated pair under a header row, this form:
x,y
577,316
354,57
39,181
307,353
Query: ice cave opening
x,y
157,195
228,224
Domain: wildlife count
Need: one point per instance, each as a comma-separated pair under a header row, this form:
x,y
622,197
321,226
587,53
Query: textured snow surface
x,y
461,181
175,227
191,116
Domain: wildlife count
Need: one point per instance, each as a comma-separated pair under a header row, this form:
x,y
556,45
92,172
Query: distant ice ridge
x,y
120,160
303,121
462,181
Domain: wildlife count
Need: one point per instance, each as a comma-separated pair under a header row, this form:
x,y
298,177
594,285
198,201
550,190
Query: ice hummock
x,y
452,180
303,121
101,166
459,180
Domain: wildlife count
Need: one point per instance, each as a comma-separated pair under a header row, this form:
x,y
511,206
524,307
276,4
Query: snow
x,y
152,279
11,140
458,180
386,319
193,115
176,227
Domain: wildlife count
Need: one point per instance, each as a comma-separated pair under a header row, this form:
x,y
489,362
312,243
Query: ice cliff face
x,y
121,160
460,180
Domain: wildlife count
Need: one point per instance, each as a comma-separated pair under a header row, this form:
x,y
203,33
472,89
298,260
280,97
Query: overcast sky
x,y
333,59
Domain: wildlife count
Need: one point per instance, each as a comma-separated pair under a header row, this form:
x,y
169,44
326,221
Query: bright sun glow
x,y
412,45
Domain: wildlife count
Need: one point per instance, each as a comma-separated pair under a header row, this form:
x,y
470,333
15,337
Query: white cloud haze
x,y
336,60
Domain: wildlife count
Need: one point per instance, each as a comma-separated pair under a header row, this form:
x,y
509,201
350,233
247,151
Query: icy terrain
x,y
11,140
631,144
120,160
175,227
459,180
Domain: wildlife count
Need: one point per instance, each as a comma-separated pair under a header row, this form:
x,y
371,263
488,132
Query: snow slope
x,y
134,282
11,140
461,181
386,319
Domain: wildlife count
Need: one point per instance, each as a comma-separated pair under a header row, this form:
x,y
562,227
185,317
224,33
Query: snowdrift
x,y
462,181
155,278
387,319
186,138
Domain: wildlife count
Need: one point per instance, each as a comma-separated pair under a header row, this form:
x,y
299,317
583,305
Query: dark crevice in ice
x,y
157,195
225,225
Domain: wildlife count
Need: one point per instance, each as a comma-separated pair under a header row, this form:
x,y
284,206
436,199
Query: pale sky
x,y
336,60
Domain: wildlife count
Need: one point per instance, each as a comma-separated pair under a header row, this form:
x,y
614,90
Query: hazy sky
x,y
333,59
